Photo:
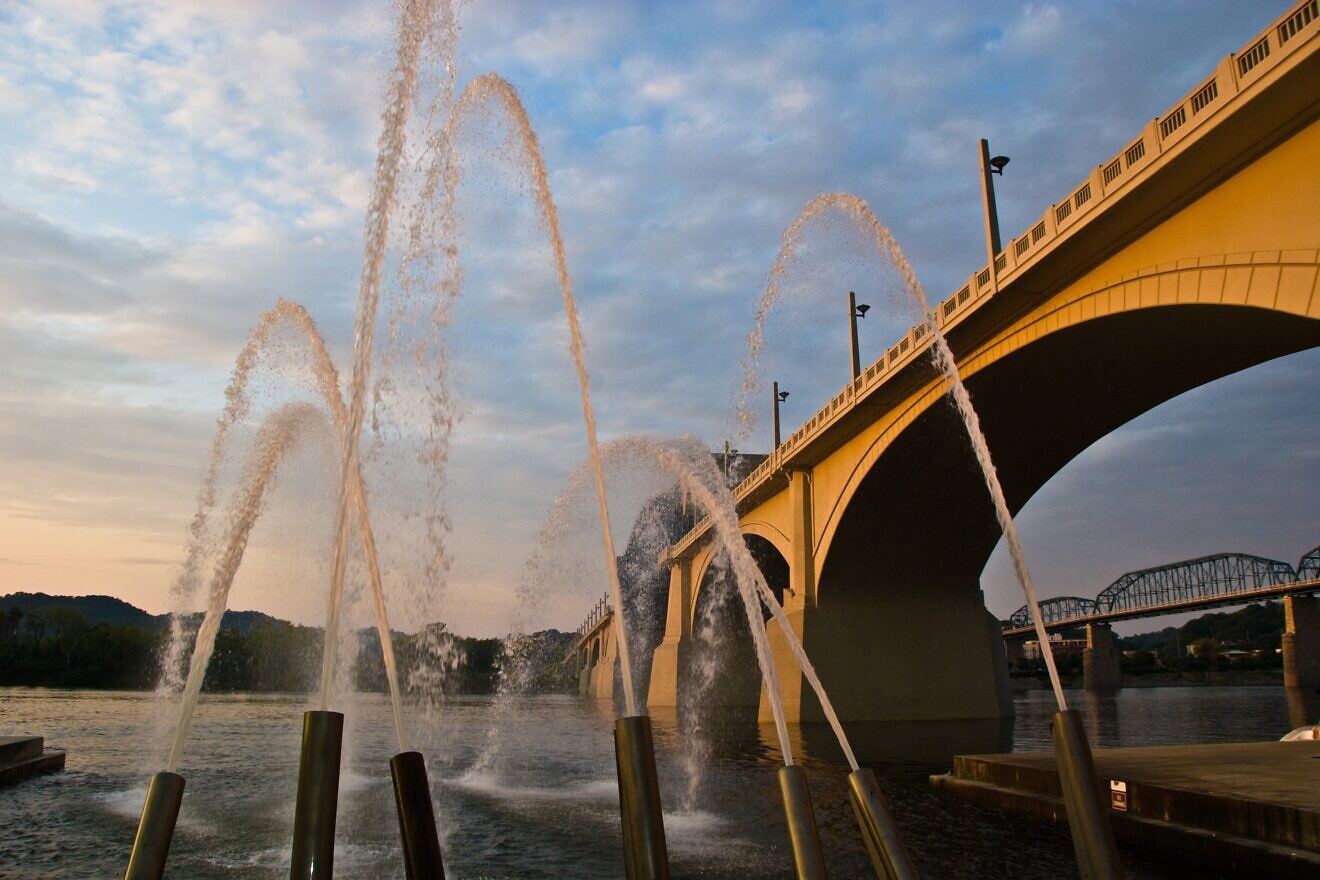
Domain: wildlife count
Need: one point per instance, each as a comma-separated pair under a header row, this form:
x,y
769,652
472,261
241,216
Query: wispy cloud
x,y
176,166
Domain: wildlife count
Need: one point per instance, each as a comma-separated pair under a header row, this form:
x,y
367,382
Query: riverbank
x,y
1189,678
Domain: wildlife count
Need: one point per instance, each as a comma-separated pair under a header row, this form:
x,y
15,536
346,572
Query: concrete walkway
x,y
1250,808
24,756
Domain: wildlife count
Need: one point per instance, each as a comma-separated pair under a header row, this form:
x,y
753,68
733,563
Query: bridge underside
x,y
900,630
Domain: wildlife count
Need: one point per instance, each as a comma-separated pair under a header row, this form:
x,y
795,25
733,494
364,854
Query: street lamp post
x,y
854,312
991,166
780,397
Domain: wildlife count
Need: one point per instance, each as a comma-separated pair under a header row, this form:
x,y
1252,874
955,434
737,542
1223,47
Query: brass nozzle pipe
x,y
422,859
645,855
889,855
1088,814
318,797
160,811
808,861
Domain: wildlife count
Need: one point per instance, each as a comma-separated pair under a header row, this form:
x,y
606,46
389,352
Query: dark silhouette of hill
x,y
117,612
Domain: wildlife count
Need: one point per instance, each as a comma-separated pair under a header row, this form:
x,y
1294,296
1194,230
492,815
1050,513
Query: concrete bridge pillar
x,y
1014,650
602,674
671,654
1100,667
1301,642
799,600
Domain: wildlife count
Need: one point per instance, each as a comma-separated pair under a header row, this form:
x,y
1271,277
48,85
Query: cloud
x,y
179,165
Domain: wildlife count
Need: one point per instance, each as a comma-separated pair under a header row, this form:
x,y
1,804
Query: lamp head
x,y
862,309
783,395
997,164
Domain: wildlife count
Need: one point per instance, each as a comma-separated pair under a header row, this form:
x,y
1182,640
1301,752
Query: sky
x,y
173,167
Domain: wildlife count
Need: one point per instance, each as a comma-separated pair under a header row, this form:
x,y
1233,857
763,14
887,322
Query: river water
x,y
544,803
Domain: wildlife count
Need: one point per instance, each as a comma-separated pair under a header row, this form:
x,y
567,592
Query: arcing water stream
x,y
855,209
692,467
327,382
686,461
422,21
284,428
414,26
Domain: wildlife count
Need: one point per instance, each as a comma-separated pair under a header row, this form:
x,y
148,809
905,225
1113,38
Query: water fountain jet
x,y
1088,816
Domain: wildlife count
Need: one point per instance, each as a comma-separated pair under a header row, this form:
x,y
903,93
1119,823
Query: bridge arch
x,y
901,545
1270,296
721,638
761,529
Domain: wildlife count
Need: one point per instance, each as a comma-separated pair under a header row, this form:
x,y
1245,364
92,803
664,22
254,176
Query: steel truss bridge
x,y
1207,582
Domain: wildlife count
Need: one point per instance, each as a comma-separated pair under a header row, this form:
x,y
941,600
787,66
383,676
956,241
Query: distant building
x,y
1058,644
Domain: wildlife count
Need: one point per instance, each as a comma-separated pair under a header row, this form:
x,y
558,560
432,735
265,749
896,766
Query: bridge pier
x,y
798,601
671,655
1301,642
596,656
1100,667
1014,649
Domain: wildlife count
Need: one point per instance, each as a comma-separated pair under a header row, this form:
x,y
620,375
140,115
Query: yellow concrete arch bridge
x,y
1189,255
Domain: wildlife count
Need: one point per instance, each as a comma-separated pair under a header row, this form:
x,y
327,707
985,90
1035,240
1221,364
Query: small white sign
x,y
1118,795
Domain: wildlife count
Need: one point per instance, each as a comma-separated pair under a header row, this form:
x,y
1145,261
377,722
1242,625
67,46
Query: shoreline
x,y
1199,678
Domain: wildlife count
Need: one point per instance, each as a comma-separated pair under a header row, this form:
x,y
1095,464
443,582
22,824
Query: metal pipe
x,y
318,796
889,854
776,416
808,861
992,243
852,335
160,811
422,859
1088,814
645,855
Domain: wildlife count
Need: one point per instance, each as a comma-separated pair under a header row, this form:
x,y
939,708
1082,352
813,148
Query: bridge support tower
x,y
596,655
798,602
1100,666
1301,642
671,655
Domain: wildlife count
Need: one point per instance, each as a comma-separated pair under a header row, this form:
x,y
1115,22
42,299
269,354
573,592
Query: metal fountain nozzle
x,y
160,811
645,854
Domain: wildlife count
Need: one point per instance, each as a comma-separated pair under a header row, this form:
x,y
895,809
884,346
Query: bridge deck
x,y
1174,606
1251,809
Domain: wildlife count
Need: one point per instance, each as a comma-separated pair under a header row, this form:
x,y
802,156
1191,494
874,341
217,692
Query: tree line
x,y
59,647
1200,645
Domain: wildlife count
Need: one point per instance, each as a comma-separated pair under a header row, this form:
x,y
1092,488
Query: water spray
x,y
1087,814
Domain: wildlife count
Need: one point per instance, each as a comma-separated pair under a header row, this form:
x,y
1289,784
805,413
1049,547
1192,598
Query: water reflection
x,y
545,803
1303,705
1100,711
